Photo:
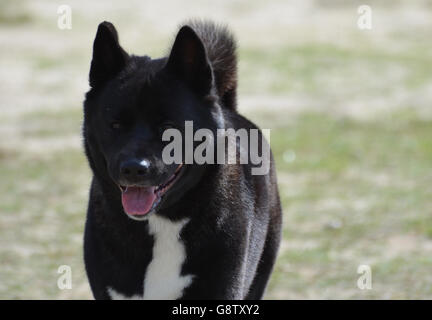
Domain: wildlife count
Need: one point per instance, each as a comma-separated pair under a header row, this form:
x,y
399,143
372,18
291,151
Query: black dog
x,y
179,230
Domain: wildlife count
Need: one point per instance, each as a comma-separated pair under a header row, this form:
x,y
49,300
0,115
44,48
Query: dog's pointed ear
x,y
188,59
108,56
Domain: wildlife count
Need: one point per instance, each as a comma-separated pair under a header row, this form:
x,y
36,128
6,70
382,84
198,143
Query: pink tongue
x,y
138,200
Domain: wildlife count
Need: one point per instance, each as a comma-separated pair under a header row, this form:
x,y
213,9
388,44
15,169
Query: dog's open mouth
x,y
138,201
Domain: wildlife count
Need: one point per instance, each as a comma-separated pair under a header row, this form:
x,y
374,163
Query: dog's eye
x,y
116,125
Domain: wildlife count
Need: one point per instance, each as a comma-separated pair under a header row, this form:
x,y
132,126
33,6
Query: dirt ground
x,y
349,112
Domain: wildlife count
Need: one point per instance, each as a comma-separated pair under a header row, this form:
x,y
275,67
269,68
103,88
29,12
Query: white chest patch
x,y
163,279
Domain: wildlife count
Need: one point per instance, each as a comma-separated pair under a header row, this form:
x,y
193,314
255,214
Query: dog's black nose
x,y
134,170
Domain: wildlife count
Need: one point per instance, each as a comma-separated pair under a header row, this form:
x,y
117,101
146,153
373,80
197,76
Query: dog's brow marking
x,y
163,279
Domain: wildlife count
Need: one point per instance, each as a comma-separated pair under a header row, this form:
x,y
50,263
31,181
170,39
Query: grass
x,y
353,160
341,208
356,193
324,68
12,14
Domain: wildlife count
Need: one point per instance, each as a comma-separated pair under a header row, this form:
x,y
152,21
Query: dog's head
x,y
132,101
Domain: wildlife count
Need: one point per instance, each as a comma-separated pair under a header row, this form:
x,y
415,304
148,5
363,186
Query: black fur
x,y
234,231
221,51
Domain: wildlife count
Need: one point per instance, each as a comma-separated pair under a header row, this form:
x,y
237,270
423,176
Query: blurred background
x,y
350,118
